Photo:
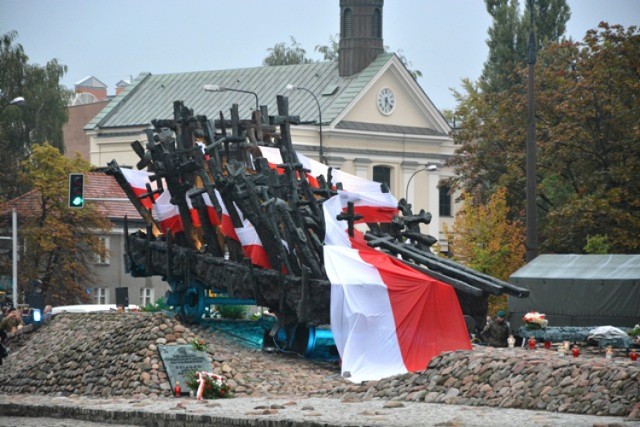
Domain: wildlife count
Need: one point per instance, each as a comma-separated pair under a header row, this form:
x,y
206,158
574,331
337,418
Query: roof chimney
x,y
360,35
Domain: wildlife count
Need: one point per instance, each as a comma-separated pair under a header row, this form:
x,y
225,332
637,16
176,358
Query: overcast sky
x,y
118,39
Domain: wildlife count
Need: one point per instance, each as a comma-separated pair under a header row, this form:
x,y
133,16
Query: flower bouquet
x,y
208,385
535,320
198,344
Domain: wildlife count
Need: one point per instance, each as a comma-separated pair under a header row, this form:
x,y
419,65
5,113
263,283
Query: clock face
x,y
386,101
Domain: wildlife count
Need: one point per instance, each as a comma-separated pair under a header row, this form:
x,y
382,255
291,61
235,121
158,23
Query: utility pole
x,y
531,181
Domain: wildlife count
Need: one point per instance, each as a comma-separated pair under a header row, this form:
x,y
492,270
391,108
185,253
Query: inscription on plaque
x,y
179,360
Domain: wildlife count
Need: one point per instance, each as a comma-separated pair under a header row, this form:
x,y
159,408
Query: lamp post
x,y
427,168
14,252
315,98
218,88
18,100
531,213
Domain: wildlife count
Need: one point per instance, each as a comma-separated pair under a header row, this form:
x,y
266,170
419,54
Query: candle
x,y
532,343
177,390
575,351
633,355
547,344
511,341
609,353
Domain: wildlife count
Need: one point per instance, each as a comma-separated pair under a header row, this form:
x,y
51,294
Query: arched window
x,y
382,174
347,23
377,23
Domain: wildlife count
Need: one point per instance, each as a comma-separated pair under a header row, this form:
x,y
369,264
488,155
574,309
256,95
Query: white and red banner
x,y
374,205
246,235
386,318
138,181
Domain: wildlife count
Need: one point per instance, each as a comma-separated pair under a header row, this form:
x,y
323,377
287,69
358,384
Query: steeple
x,y
360,35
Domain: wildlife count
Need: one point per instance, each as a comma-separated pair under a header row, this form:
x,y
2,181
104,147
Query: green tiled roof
x,y
151,97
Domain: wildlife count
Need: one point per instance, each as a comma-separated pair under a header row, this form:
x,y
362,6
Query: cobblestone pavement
x,y
287,412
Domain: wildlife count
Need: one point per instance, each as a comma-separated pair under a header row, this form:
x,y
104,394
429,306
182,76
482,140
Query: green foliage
x,y
330,52
281,54
597,245
39,120
588,150
160,305
60,243
486,240
198,344
232,311
509,37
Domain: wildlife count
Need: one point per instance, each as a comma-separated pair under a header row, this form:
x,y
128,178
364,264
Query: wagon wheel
x,y
192,305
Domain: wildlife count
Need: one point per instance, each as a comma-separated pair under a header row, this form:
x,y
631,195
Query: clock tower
x,y
360,35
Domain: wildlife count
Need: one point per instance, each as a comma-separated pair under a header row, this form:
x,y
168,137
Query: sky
x,y
118,39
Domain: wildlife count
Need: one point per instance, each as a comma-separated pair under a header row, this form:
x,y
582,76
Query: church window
x,y
377,23
347,23
382,174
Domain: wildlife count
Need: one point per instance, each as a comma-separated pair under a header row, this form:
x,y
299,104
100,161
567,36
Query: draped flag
x,y
386,318
374,205
168,214
138,181
246,235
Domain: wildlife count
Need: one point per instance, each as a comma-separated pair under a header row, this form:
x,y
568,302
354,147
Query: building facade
x,y
369,116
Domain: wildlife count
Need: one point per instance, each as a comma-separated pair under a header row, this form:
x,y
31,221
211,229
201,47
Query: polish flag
x,y
211,211
274,158
227,224
374,206
138,181
386,318
246,235
168,214
252,245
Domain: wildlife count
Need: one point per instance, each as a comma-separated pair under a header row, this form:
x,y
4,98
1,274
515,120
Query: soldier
x,y
497,332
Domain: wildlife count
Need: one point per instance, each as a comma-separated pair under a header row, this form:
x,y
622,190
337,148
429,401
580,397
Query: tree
x,y
509,34
330,52
39,120
588,138
486,239
60,243
281,54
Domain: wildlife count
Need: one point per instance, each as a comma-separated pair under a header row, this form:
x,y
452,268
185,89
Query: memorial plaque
x,y
179,360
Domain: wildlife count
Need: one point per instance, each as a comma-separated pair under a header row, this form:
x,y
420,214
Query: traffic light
x,y
76,190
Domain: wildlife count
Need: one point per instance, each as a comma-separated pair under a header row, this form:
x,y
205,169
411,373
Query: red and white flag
x,y
211,211
386,318
138,181
168,214
246,235
374,205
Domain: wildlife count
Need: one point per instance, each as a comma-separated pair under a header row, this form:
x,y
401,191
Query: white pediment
x,y
412,107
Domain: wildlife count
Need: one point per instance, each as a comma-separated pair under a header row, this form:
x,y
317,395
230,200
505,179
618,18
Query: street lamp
x,y
18,100
218,88
427,168
292,88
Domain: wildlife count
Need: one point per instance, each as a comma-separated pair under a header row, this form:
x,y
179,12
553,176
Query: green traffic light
x,y
77,201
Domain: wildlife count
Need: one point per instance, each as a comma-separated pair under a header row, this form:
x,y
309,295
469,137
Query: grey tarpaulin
x,y
579,290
